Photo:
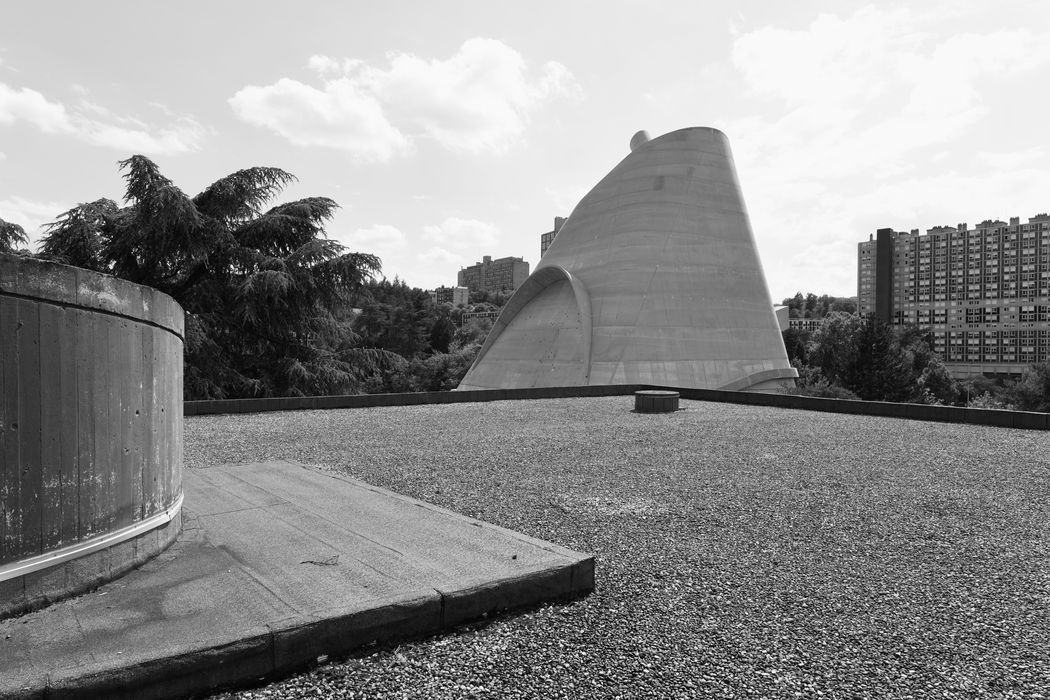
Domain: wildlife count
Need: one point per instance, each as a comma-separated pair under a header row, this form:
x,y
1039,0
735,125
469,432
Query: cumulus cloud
x,y
870,89
378,239
463,234
849,107
479,100
32,107
97,125
456,243
442,258
340,115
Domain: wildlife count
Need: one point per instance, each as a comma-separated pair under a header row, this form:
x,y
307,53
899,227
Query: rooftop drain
x,y
654,401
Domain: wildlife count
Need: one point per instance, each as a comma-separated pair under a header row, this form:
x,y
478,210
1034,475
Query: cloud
x,y
427,257
341,116
868,119
442,258
97,125
376,237
462,234
479,100
867,91
31,106
31,214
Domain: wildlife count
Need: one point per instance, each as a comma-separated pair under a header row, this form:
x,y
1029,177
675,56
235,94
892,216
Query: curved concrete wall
x,y
90,428
665,277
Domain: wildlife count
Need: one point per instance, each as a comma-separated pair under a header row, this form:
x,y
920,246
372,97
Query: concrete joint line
x,y
90,309
80,549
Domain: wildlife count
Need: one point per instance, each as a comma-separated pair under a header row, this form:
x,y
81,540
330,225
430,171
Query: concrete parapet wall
x,y
944,414
90,428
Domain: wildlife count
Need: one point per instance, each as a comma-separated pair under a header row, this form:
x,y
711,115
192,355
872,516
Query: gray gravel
x,y
741,551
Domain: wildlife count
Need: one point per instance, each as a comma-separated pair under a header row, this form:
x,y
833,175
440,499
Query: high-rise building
x,y
501,275
547,238
984,292
457,296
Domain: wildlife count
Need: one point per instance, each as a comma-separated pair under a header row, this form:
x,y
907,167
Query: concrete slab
x,y
278,564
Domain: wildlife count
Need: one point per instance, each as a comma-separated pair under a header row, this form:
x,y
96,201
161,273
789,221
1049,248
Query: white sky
x,y
452,130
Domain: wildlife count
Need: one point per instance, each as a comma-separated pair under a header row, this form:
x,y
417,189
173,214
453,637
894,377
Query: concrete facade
x,y
457,296
91,443
654,278
983,292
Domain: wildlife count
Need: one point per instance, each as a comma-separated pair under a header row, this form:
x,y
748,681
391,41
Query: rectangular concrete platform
x,y
278,564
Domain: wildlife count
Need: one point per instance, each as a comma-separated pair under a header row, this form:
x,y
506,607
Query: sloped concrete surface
x,y
279,563
654,279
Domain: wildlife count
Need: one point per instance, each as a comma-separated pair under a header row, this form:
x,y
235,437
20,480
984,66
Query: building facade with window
x,y
501,275
983,292
457,296
807,325
547,238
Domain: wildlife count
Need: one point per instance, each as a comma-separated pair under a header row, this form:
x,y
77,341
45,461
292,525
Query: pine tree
x,y
10,236
261,288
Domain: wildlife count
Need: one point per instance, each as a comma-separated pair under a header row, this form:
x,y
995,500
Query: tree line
x,y
854,357
276,308
273,306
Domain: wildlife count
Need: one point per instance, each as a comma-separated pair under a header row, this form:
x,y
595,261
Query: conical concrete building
x,y
653,279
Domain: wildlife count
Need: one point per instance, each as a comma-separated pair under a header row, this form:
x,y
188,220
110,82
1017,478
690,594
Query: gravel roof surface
x,y
741,551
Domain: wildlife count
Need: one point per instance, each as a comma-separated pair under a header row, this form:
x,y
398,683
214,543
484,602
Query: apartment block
x,y
457,296
501,275
547,238
984,292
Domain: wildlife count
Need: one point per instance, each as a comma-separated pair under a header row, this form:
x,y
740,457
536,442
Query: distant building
x,y
547,238
457,296
805,324
782,316
984,293
502,275
468,315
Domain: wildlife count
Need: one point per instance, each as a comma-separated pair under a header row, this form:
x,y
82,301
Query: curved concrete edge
x,y
271,651
755,382
542,278
92,291
86,566
664,245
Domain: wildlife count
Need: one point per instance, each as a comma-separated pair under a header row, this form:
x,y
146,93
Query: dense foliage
x,y
10,236
435,344
855,357
813,306
262,289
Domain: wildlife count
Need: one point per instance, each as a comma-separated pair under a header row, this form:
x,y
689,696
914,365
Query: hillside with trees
x,y
273,307
813,306
433,344
262,286
854,357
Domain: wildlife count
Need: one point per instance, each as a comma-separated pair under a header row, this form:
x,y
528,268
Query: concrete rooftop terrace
x,y
740,550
